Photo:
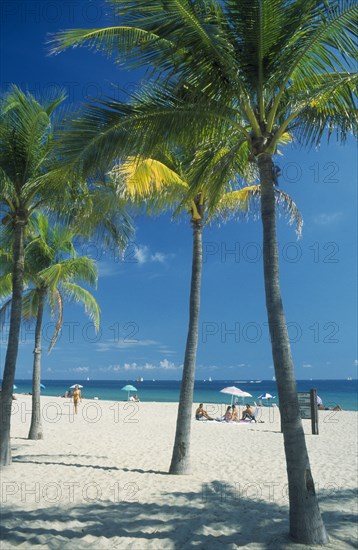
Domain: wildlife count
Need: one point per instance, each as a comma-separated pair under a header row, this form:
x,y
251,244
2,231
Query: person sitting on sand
x,y
235,414
323,408
248,413
228,415
201,413
134,398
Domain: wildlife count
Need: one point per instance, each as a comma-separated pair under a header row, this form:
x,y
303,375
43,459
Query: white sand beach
x,y
100,480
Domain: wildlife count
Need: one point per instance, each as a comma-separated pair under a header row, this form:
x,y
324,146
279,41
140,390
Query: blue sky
x,y
144,296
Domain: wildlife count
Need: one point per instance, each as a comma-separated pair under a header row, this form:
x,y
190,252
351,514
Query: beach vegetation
x,y
163,182
52,271
27,161
260,69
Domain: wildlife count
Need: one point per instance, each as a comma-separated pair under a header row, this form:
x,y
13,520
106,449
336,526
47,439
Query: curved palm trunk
x,y
36,431
13,343
180,463
306,525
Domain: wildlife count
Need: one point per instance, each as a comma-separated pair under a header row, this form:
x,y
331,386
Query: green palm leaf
x,y
78,294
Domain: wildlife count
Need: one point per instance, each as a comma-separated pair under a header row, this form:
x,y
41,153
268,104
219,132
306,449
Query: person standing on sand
x,y
76,397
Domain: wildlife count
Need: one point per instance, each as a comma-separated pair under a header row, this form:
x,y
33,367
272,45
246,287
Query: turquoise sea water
x,y
332,392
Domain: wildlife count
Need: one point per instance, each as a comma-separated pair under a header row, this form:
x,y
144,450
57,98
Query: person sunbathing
x,y
323,408
235,414
248,413
201,413
228,415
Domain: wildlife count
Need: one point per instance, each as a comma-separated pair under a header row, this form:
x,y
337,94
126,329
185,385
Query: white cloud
x,y
124,344
307,366
106,269
355,362
158,257
143,255
327,219
167,365
80,369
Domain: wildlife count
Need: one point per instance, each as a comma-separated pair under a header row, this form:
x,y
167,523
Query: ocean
x,y
332,392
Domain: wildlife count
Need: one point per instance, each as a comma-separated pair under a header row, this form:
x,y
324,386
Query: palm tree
x,y
163,182
263,68
33,175
27,153
51,271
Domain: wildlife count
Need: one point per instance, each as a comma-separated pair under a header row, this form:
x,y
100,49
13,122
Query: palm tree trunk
x,y
180,463
36,431
306,525
13,342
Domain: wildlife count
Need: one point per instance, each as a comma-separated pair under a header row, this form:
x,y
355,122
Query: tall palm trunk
x,y
36,431
13,342
306,525
180,463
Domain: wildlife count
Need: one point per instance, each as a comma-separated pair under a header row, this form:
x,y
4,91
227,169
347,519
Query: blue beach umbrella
x,y
43,386
128,388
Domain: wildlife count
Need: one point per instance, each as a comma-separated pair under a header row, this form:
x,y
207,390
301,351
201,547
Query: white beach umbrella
x,y
74,385
233,390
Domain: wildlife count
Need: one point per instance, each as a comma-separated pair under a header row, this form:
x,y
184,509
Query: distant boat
x,y
255,381
274,378
349,378
87,378
210,379
140,379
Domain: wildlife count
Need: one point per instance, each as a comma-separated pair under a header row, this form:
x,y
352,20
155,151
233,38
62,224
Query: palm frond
x,y
56,303
323,43
100,212
331,107
4,311
111,130
81,295
30,303
291,210
81,268
142,40
143,177
5,285
27,150
237,203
